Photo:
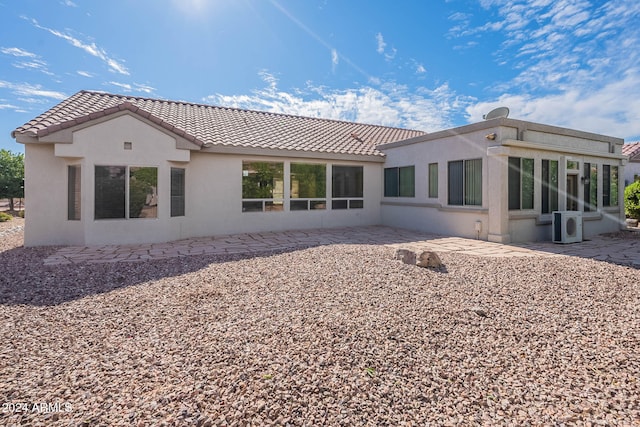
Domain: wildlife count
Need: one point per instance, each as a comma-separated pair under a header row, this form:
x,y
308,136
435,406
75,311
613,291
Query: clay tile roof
x,y
632,150
220,126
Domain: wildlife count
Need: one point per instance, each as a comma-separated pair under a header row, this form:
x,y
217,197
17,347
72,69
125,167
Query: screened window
x,y
609,185
590,177
399,182
520,183
308,186
549,186
73,193
177,191
126,192
262,186
347,187
433,180
465,182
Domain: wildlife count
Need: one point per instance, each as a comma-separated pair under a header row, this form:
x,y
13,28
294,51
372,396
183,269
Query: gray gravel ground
x,y
335,335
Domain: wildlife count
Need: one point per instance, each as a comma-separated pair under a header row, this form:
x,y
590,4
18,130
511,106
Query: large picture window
x,y
262,186
347,187
549,186
73,193
177,191
465,182
399,182
609,185
126,192
308,186
520,183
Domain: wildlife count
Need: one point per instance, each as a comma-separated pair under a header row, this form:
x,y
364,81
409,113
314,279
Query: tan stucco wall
x,y
433,214
214,184
46,190
213,189
498,223
214,198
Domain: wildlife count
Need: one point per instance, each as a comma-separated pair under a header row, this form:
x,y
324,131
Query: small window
x,y
263,181
347,187
73,193
177,191
399,182
433,180
521,183
590,179
143,192
609,185
308,185
549,186
465,182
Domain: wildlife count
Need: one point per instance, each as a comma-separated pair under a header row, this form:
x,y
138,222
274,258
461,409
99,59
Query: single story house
x,y
113,169
632,169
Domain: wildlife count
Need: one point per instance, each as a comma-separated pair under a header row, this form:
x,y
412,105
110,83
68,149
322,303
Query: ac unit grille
x,y
567,227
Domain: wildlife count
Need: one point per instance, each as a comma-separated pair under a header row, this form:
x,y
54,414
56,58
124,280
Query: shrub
x,y
5,217
632,200
21,213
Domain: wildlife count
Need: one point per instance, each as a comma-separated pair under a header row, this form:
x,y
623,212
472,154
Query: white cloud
x,y
390,105
26,89
613,109
90,48
335,58
135,87
381,43
382,48
8,107
420,69
16,51
84,73
576,63
68,3
26,60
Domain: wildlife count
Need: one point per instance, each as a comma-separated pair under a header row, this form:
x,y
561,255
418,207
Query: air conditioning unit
x,y
567,226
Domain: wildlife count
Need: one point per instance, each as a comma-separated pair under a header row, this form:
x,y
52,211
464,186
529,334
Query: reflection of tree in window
x,y
262,180
143,192
111,187
549,186
308,181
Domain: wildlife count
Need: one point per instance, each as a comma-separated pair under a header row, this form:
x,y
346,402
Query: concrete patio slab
x,y
619,251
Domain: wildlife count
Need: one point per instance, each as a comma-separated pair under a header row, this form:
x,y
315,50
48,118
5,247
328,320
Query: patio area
x,y
616,250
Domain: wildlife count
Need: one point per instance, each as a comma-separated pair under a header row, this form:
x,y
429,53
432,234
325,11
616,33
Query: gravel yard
x,y
333,335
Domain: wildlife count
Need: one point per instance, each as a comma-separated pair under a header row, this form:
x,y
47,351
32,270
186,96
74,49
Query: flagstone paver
x,y
620,251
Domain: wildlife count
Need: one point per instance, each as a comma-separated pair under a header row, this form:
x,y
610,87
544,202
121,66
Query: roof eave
x,y
307,154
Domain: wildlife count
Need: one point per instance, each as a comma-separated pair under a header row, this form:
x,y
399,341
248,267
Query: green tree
x,y
632,200
11,176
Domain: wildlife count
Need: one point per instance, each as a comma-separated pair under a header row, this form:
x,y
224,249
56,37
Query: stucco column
x,y
497,164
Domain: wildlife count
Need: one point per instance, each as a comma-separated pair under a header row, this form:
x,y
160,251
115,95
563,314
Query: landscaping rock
x,y
335,335
429,259
406,256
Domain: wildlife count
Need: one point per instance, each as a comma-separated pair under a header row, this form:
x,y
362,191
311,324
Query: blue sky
x,y
427,65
